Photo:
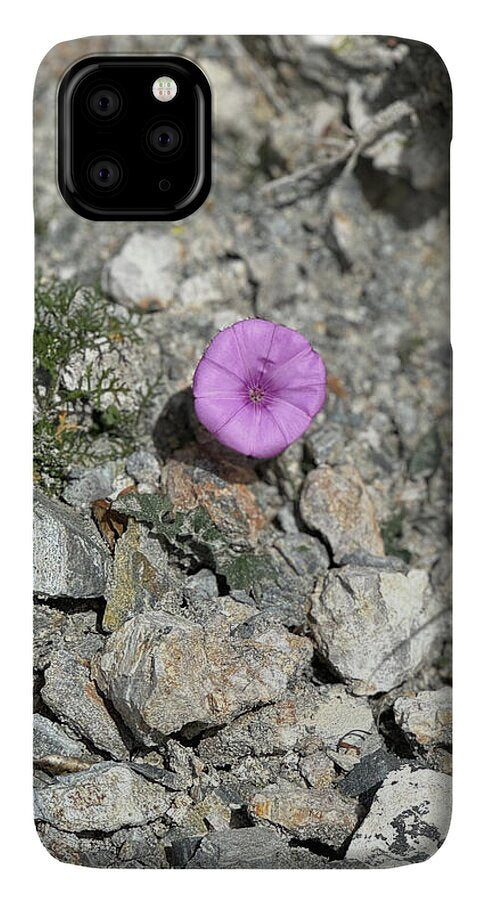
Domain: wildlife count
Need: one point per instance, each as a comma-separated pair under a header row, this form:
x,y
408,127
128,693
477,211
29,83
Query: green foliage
x,y
391,531
70,322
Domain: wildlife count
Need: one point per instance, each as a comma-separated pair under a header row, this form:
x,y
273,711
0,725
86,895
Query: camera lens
x,y
104,103
164,138
104,174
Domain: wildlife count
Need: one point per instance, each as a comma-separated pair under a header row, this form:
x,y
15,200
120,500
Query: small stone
x,y
70,560
369,773
376,627
87,485
144,272
334,502
201,586
284,590
426,717
107,797
305,813
408,819
164,672
140,578
143,467
318,770
71,694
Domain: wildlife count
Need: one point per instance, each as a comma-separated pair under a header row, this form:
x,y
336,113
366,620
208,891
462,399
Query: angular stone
x,y
164,672
144,273
241,848
307,720
284,592
370,772
222,489
201,586
318,770
70,560
55,629
144,467
50,739
140,579
305,813
408,819
335,502
426,717
71,694
86,485
375,627
106,797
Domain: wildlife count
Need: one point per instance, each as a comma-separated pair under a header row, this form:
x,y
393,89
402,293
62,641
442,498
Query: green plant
x,y
72,324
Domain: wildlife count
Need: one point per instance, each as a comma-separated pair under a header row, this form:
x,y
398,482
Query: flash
x,y
164,88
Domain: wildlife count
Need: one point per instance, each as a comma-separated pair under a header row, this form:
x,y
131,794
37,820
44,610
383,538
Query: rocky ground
x,y
243,664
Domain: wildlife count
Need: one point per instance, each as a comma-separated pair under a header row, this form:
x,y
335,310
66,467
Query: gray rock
x,y
86,485
284,591
140,579
334,502
408,820
107,797
56,629
375,627
70,559
307,720
164,672
144,272
50,739
426,717
71,694
143,467
247,848
305,813
201,586
370,772
242,848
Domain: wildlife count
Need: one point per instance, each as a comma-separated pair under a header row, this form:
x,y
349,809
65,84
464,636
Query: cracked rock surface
x,y
243,663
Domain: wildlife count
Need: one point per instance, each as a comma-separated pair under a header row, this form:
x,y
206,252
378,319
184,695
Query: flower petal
x,y
254,432
215,413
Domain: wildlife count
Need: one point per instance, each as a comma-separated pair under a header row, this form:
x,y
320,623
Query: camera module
x,y
164,138
104,103
104,174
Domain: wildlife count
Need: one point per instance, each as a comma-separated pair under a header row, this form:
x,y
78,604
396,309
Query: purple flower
x,y
258,387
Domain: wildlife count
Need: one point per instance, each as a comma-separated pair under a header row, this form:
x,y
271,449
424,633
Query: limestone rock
x,y
408,819
50,739
305,813
107,797
335,502
377,627
164,672
70,560
71,694
426,717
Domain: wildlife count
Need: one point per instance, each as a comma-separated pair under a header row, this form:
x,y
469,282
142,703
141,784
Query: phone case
x,y
242,660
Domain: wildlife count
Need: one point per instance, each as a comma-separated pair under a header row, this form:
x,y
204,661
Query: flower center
x,y
256,394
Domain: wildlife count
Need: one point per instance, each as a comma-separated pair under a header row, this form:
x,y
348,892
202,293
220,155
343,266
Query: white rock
x,y
408,820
